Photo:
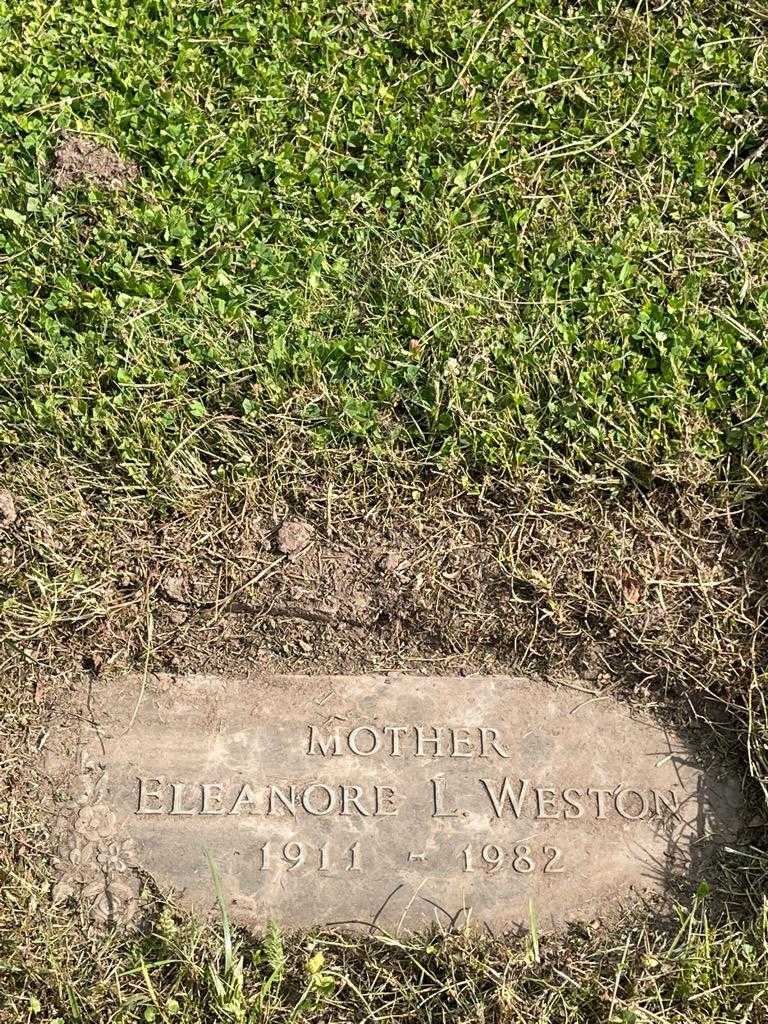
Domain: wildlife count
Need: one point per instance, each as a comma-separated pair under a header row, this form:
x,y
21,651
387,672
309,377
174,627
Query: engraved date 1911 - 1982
x,y
521,858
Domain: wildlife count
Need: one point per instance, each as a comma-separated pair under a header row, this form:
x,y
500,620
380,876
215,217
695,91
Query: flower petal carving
x,y
93,861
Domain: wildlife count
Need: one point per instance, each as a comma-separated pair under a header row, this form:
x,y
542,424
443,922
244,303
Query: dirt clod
x,y
7,508
293,536
80,160
173,587
388,562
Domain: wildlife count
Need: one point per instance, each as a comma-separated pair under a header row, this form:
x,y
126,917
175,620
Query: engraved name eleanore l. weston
x,y
391,801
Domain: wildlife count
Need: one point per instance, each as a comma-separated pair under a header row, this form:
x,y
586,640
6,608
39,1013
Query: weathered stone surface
x,y
391,801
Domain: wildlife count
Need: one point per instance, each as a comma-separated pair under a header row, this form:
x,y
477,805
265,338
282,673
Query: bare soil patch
x,y
81,160
293,537
662,596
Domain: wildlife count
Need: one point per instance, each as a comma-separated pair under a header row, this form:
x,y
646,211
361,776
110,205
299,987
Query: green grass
x,y
505,245
700,972
470,239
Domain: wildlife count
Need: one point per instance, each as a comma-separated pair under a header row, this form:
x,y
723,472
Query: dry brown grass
x,y
660,596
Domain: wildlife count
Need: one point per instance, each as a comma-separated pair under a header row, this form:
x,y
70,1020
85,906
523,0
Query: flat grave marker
x,y
383,801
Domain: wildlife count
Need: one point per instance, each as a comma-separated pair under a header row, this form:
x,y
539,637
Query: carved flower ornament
x,y
75,862
93,863
117,856
95,822
110,901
